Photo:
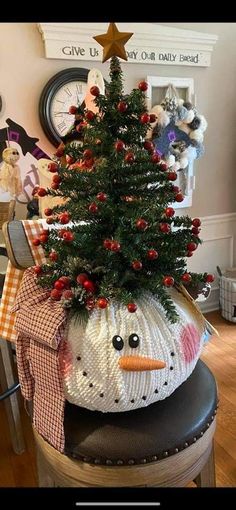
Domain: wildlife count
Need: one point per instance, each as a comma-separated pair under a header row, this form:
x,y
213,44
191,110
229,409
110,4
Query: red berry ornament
x,y
65,280
152,254
119,146
73,110
132,307
189,254
56,179
53,167
53,256
89,286
172,176
209,278
93,208
191,246
107,244
37,270
64,218
186,277
196,222
129,157
169,212
102,302
43,238
49,221
156,158
81,278
41,192
102,197
115,246
67,294
89,115
122,107
163,167
143,86
36,242
195,231
68,236
168,281
95,91
144,119
55,185
56,294
175,189
59,285
48,211
141,224
165,228
87,154
179,197
137,265
149,146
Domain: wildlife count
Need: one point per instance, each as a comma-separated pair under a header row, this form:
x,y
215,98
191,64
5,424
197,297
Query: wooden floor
x,y
219,355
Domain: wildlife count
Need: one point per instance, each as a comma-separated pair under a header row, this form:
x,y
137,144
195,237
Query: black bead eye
x,y
118,342
133,340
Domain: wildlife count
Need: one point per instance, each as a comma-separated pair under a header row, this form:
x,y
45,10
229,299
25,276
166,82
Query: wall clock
x,y
64,89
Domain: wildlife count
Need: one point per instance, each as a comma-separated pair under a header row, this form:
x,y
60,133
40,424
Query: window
x,y
157,89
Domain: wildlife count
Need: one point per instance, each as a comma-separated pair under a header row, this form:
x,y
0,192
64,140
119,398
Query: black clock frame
x,y
50,89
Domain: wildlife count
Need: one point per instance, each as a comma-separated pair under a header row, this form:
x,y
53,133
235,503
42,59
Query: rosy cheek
x,y
190,341
65,360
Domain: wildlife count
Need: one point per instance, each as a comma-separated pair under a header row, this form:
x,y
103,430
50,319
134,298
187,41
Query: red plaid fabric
x,y
41,326
40,317
13,280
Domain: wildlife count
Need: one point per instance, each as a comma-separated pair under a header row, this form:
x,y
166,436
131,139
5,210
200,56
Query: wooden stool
x,y
168,444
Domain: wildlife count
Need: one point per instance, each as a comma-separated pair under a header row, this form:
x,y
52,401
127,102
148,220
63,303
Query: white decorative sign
x,y
150,44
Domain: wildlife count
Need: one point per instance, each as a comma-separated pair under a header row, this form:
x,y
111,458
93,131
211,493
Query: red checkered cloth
x,y
33,228
42,328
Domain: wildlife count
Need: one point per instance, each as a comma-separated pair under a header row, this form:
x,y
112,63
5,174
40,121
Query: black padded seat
x,y
144,435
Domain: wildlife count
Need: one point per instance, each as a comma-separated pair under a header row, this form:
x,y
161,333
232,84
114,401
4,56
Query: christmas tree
x,y
116,234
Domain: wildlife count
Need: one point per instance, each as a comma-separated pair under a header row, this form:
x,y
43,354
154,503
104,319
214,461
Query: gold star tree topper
x,y
113,42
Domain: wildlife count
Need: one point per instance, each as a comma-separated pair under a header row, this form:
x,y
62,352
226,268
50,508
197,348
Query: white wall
x,y
25,70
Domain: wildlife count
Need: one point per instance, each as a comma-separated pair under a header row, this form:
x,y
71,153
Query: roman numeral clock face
x,y
65,89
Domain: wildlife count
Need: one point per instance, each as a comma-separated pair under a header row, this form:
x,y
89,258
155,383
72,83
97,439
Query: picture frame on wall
x,y
157,90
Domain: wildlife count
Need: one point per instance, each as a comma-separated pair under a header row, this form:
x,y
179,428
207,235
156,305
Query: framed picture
x,y
157,90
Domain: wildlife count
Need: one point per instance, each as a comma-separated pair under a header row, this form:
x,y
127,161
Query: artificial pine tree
x,y
116,234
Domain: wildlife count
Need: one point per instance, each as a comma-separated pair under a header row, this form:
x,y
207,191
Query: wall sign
x,y
150,44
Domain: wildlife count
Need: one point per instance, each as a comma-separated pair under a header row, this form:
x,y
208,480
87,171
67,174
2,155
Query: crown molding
x,y
151,43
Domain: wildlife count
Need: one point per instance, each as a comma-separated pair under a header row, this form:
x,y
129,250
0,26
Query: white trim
x,y
218,218
148,37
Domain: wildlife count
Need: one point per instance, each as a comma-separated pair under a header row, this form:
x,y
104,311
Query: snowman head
x,y
121,361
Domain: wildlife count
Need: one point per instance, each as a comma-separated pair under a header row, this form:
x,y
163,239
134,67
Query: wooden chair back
x,y
7,211
17,245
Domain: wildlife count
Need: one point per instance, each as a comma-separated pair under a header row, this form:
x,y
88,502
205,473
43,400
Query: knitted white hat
x,y
101,359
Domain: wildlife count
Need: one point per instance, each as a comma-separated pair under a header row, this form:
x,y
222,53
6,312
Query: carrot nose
x,y
139,363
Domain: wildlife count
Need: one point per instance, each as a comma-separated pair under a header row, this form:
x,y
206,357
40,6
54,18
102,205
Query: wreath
x,y
178,130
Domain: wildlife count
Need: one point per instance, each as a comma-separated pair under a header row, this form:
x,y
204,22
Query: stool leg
x,y
206,477
11,404
44,478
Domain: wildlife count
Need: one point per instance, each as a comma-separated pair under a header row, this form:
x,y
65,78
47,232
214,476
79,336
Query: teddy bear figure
x,y
10,179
